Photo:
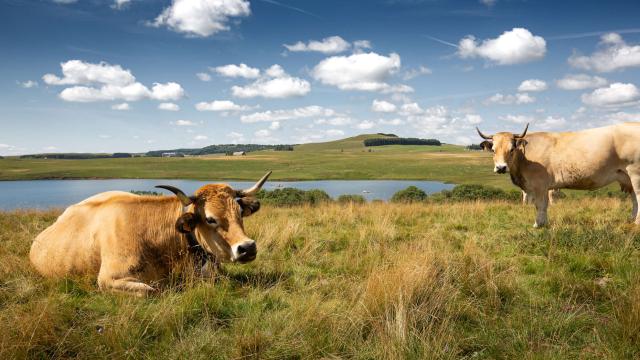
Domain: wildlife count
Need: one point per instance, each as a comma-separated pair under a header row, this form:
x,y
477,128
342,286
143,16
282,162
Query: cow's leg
x,y
542,201
128,284
525,197
634,175
627,187
550,194
116,275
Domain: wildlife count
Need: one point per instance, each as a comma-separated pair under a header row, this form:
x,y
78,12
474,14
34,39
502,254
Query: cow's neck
x,y
515,169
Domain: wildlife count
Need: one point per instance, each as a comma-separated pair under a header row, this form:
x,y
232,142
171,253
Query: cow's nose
x,y
501,169
246,251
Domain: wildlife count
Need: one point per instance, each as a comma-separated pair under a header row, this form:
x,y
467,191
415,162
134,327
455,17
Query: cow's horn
x,y
184,199
524,132
483,135
255,188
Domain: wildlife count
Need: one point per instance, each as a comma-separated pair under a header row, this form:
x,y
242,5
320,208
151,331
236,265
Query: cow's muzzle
x,y
245,252
500,169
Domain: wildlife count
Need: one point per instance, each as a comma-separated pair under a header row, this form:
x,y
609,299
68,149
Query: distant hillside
x,y
220,149
354,142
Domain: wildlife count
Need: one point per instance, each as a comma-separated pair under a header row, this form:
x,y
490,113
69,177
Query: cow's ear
x,y
521,143
248,206
486,145
186,223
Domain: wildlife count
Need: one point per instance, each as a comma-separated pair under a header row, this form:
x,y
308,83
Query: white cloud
x,y
411,109
616,94
360,45
329,45
64,2
220,105
335,121
365,71
365,125
168,91
235,137
120,4
105,82
383,106
533,85
444,124
488,3
203,76
517,119
580,82
614,54
169,107
201,17
200,137
275,125
518,99
233,70
392,122
184,123
77,72
275,84
512,47
28,84
280,115
122,107
414,73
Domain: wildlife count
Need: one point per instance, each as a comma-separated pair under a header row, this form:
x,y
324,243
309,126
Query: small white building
x,y
239,153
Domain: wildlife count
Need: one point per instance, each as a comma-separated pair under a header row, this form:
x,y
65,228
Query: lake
x,y
44,194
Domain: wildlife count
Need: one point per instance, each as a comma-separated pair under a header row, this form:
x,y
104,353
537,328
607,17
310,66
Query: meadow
x,y
345,159
426,280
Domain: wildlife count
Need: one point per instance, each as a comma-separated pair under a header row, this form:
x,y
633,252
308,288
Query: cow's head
x,y
503,145
214,215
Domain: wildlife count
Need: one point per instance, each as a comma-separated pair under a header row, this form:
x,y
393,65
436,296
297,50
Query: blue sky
x,y
118,75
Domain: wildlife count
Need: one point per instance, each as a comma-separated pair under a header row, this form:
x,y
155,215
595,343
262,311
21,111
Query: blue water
x,y
44,194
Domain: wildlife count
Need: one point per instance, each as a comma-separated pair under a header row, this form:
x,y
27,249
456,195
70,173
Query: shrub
x,y
291,196
410,194
471,192
351,198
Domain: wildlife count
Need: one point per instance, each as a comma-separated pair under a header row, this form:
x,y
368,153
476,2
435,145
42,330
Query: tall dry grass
x,y
394,281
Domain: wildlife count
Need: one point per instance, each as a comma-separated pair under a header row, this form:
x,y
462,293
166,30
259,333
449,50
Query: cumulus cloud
x,y
414,73
220,105
517,119
201,17
200,137
518,99
235,137
203,76
105,82
289,114
275,125
120,4
364,71
516,46
241,70
488,3
274,84
443,123
122,107
613,54
169,106
365,125
616,94
335,121
580,82
28,84
329,45
184,123
532,85
383,106
392,122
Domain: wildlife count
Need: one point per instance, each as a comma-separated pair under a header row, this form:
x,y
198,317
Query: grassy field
x,y
346,159
462,280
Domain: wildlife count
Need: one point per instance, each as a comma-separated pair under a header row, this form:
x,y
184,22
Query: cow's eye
x,y
211,221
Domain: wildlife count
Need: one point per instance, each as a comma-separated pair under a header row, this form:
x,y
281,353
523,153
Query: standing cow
x,y
584,160
131,241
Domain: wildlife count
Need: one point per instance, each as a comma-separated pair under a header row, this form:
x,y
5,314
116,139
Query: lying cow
x,y
130,241
584,160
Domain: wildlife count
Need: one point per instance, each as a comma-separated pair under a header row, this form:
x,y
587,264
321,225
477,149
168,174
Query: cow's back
x,y
71,245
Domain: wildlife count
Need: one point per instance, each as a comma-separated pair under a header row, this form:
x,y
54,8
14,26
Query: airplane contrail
x,y
277,3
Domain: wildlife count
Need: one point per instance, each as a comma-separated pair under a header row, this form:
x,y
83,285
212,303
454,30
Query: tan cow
x,y
131,241
584,160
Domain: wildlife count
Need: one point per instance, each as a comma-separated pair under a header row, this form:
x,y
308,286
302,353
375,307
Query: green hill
x,y
355,142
